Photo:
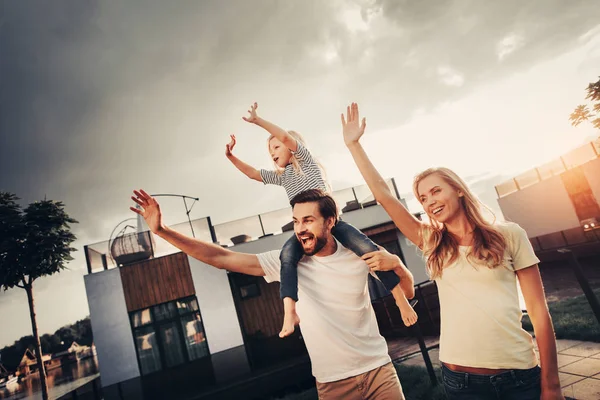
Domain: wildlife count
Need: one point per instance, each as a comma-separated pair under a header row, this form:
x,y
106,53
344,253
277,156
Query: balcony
x,y
572,159
138,246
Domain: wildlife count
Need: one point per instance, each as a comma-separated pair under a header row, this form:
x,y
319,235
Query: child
x,y
297,171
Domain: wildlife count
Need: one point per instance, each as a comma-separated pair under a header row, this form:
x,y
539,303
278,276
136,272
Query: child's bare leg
x,y
290,318
409,316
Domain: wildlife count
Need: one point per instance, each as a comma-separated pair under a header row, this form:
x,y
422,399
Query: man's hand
x,y
350,126
229,146
253,117
382,260
150,210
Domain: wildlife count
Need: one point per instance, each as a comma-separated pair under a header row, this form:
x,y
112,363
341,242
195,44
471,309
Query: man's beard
x,y
319,242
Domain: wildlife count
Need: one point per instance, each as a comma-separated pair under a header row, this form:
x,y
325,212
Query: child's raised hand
x,y
229,146
252,117
351,127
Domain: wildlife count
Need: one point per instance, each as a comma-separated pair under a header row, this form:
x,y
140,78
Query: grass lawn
x,y
415,384
573,319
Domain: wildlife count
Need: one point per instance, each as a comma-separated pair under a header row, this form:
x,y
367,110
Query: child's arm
x,y
246,169
280,133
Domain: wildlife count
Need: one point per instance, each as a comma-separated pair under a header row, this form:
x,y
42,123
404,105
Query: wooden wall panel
x,y
580,192
157,281
259,314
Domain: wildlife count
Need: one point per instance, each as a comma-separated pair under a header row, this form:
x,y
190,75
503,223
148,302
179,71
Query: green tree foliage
x,y
585,112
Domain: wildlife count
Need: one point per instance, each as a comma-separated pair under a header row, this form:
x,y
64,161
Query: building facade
x,y
558,203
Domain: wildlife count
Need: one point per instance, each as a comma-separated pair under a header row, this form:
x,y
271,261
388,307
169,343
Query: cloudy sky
x,y
99,98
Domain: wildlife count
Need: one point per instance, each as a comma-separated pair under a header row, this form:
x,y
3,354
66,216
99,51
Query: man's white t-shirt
x,y
336,317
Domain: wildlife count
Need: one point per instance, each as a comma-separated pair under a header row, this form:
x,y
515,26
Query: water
x,y
61,380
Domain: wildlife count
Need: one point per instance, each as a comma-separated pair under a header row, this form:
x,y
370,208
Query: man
x,y
348,355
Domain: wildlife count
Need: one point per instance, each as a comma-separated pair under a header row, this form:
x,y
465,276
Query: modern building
x,y
558,203
163,321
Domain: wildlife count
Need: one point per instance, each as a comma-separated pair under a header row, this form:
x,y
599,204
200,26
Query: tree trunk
x,y
36,339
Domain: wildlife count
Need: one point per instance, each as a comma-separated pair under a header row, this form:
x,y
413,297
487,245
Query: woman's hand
x,y
350,125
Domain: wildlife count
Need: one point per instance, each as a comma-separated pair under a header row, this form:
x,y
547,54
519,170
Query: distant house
x,y
163,321
29,363
74,353
558,203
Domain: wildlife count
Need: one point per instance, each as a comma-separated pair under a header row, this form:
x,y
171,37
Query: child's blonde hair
x,y
294,161
441,248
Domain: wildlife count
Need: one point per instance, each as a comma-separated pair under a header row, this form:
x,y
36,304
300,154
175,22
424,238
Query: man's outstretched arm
x,y
208,253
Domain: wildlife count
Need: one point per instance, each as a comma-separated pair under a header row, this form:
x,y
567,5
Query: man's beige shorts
x,y
381,383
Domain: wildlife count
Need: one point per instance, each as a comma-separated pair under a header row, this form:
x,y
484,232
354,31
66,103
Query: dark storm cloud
x,y
94,94
89,88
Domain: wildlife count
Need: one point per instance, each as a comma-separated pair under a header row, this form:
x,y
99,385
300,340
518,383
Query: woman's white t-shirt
x,y
480,311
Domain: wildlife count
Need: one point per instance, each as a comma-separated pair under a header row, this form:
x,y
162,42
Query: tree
x,y
50,343
583,113
34,242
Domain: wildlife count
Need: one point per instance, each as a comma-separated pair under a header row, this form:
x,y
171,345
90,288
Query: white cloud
x,y
450,77
509,44
353,19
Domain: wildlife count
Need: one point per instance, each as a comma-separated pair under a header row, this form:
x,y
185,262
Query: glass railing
x,y
275,222
100,257
572,159
527,178
131,246
239,231
551,169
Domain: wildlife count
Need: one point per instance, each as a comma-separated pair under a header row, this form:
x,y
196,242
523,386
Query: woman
x,y
484,351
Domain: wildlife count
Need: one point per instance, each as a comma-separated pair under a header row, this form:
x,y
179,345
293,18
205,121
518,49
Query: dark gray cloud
x,y
90,88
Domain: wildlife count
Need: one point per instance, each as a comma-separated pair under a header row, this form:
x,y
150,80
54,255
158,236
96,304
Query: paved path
x,y
578,366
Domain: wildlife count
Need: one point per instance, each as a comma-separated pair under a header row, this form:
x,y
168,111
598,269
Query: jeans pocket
x,y
530,377
453,383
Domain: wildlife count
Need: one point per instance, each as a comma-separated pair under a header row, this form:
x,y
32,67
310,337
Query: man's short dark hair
x,y
327,206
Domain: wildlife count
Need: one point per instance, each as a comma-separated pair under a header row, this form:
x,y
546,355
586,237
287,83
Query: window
x,y
249,291
168,334
247,286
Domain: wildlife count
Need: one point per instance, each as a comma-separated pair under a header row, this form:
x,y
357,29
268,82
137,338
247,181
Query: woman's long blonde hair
x,y
294,160
440,247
